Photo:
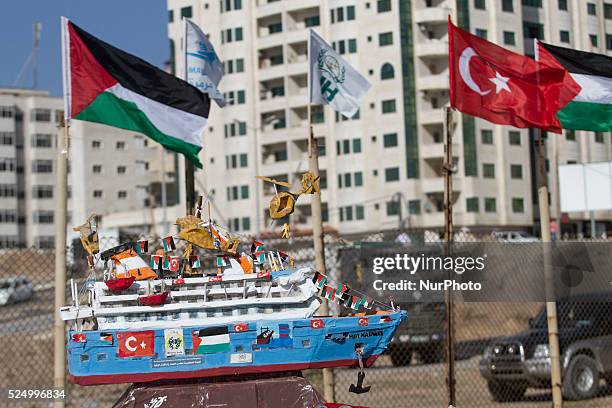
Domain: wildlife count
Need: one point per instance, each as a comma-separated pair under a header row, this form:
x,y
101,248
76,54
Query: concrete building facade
x,y
385,165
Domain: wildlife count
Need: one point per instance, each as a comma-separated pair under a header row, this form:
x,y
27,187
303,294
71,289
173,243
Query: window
x,y
42,192
608,42
599,137
97,193
274,28
562,4
471,204
238,34
242,128
533,3
44,242
121,194
507,6
388,106
392,208
516,171
392,174
359,212
280,155
96,168
356,145
488,170
358,178
170,16
120,145
241,97
42,140
414,207
42,166
592,9
7,138
607,11
244,192
340,14
479,4
564,36
515,137
43,217
509,38
387,71
7,164
347,180
40,115
312,21
186,12
593,39
96,144
383,6
390,140
7,112
570,135
490,204
350,13
385,39
352,46
10,190
8,216
246,223
533,30
481,32
240,65
121,169
518,205
244,160
486,136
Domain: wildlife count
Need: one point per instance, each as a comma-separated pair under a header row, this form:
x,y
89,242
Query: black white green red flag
x,y
591,108
104,84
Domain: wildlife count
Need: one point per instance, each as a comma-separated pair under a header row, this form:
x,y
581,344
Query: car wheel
x,y
506,391
432,355
581,379
401,357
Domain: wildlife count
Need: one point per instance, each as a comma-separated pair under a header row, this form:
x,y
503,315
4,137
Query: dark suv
x,y
512,364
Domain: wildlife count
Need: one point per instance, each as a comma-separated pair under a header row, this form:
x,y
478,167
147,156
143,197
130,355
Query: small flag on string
x,y
168,243
283,256
341,290
319,280
194,262
156,261
142,247
329,292
357,302
166,263
174,263
256,246
369,303
261,258
106,338
220,261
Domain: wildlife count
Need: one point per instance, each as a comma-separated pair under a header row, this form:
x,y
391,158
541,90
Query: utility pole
x,y
59,329
551,304
449,169
189,186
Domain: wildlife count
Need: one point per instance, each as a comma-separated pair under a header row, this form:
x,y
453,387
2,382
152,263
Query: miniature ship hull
x,y
120,356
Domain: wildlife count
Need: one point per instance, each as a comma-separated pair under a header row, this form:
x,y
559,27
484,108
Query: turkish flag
x,y
317,324
504,87
241,327
136,344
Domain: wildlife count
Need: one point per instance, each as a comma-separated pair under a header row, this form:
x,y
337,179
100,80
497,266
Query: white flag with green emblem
x,y
333,81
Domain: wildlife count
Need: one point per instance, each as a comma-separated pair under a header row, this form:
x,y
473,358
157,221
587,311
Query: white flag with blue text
x,y
334,81
203,68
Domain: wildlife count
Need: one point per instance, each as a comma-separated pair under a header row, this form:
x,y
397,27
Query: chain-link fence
x,y
501,353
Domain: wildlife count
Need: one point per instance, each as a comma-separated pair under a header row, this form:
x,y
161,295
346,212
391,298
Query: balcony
x,y
436,185
435,15
433,82
435,150
431,49
431,116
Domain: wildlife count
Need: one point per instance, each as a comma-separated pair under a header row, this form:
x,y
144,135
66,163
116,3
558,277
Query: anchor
x,y
359,388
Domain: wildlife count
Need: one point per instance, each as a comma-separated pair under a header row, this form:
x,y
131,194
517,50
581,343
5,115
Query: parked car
x,y
15,290
514,236
514,363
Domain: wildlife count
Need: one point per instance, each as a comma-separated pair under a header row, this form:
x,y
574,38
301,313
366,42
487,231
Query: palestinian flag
x,y
142,247
256,246
106,338
591,109
168,244
211,340
194,262
104,84
319,280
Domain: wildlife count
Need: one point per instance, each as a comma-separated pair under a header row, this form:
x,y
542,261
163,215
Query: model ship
x,y
168,319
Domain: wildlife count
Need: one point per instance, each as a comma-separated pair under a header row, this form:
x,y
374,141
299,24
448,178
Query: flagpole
x,y
189,166
61,210
317,224
551,304
448,169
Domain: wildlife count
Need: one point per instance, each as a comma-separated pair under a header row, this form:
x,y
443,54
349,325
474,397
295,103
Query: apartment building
x,y
108,169
382,168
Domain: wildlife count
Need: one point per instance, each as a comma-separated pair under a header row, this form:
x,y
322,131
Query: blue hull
x,y
120,356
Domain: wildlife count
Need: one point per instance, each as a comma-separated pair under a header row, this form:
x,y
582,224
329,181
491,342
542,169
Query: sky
x,y
136,26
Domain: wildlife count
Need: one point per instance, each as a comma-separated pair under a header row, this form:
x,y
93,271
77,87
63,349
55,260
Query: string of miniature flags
x,y
342,294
